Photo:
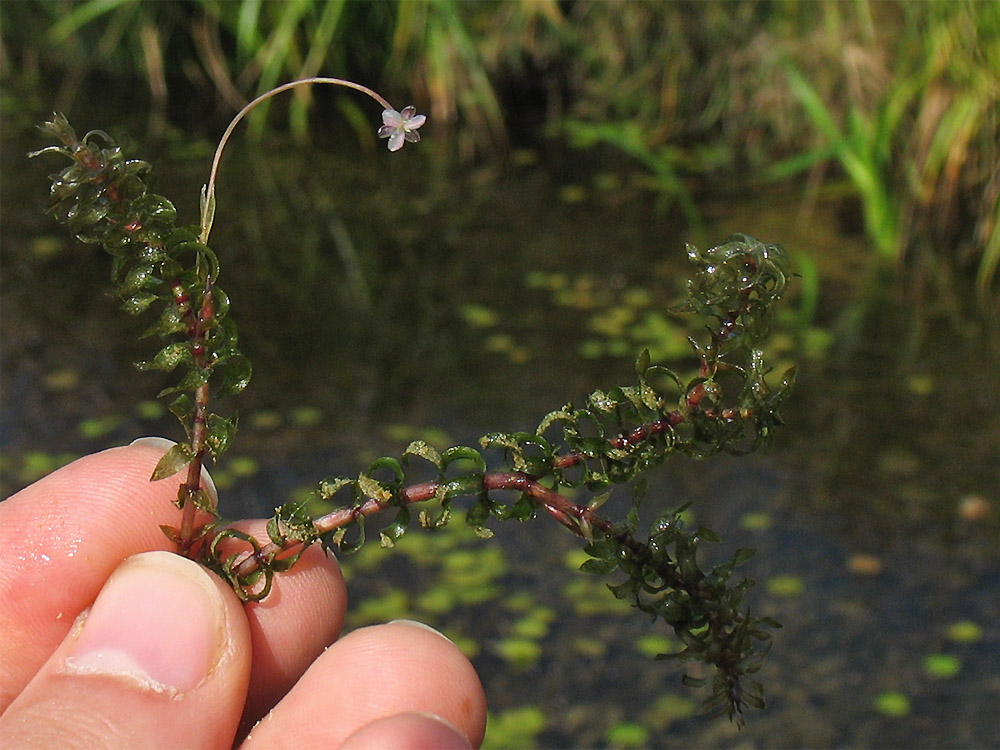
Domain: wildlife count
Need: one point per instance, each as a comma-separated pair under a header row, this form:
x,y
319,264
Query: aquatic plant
x,y
171,273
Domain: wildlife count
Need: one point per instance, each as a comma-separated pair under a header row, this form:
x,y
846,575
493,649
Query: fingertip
x,y
302,615
373,673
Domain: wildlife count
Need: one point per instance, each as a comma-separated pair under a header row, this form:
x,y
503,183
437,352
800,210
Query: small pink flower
x,y
401,126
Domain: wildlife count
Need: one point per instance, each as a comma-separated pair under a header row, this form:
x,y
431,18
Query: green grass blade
x,y
83,14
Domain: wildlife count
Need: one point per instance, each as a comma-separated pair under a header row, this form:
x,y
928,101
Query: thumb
x,y
161,659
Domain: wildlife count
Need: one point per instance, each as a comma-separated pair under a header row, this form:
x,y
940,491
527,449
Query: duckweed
x,y
305,416
654,644
98,427
628,734
591,597
265,419
892,703
149,410
667,709
516,727
942,666
535,624
964,631
756,521
785,586
519,653
479,316
394,604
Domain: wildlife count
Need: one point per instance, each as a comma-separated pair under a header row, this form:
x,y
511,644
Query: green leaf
x,y
349,547
695,682
207,210
392,465
373,489
192,379
601,548
642,363
599,567
397,528
236,372
172,462
168,357
743,555
138,277
330,486
138,303
463,453
170,321
708,535
220,434
203,501
182,407
422,450
173,534
559,415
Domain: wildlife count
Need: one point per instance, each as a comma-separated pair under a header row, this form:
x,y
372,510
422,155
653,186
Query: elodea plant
x,y
170,273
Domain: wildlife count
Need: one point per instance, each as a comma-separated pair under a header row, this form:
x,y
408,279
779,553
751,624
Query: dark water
x,y
383,299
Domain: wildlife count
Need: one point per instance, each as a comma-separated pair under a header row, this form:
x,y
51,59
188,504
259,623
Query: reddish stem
x,y
197,328
579,519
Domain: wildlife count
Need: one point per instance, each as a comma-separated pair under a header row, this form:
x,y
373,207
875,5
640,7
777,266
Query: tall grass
x,y
897,101
442,52
901,100
914,126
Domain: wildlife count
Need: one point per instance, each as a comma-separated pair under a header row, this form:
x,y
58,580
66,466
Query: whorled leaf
x,y
173,461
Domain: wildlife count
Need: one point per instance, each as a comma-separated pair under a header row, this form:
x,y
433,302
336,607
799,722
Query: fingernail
x,y
154,441
165,444
422,625
159,621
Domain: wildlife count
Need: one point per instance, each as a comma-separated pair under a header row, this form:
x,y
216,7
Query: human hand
x,y
168,656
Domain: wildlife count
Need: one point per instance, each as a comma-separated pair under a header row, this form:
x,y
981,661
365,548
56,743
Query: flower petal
x,y
392,118
396,140
415,122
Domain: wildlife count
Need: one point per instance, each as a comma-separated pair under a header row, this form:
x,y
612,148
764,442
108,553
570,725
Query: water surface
x,y
383,300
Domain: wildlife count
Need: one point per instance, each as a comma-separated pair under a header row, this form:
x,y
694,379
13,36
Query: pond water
x,y
385,299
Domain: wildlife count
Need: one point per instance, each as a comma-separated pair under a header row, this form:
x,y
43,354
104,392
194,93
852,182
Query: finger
x,y
371,674
160,660
301,616
62,537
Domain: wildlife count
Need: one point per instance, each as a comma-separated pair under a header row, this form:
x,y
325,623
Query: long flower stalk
x,y
406,125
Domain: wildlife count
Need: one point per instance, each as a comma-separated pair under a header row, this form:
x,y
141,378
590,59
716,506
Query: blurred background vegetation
x,y
892,107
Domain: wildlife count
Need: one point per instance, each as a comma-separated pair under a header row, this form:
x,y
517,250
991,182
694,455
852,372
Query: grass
x,y
917,138
898,103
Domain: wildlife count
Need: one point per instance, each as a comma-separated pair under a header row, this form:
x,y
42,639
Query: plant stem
x,y
579,519
208,206
187,493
